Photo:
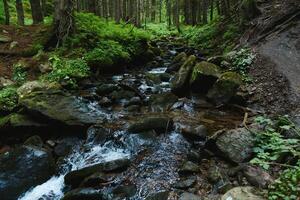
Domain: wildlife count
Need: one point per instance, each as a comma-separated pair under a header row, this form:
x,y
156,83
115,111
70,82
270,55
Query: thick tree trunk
x,y
36,10
20,12
63,19
6,12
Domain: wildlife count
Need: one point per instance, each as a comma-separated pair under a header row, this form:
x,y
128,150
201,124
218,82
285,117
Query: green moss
x,y
205,68
8,99
231,77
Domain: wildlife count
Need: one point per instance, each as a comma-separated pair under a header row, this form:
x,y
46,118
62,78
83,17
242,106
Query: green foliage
x,y
1,13
273,148
107,53
19,73
242,60
67,72
271,145
102,42
161,30
287,186
8,99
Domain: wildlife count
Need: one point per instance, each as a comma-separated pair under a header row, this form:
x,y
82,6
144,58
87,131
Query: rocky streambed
x,y
166,130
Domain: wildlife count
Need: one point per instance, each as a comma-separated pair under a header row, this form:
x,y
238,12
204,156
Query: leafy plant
x,y
19,73
8,99
287,186
67,71
242,60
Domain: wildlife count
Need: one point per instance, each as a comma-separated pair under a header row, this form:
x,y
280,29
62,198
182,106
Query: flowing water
x,y
156,160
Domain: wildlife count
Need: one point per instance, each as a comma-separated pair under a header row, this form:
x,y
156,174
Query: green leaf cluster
x,y
19,73
8,99
242,60
67,71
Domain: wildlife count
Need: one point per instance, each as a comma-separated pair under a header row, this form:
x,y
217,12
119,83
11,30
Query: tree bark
x,y
36,10
20,12
6,12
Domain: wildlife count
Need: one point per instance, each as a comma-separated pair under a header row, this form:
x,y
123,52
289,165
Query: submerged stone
x,y
158,124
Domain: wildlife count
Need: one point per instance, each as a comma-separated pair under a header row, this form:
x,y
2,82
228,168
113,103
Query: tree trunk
x,y
6,12
20,12
63,19
36,10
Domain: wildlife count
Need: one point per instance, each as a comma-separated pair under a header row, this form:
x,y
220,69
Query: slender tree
x,y
6,12
20,12
36,10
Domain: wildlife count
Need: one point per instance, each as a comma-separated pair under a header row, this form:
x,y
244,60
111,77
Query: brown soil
x,y
276,71
25,39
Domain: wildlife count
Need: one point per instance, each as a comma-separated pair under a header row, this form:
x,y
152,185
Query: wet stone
x,y
124,191
186,183
97,179
189,167
158,196
195,133
159,124
189,196
83,194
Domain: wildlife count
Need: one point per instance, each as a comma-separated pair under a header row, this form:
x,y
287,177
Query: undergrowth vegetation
x,y
278,145
214,37
8,99
67,71
99,41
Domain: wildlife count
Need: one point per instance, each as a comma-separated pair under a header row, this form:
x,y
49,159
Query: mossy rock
x,y
204,76
225,88
180,83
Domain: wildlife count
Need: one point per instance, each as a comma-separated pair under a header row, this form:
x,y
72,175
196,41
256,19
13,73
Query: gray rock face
x,y
236,144
180,83
61,107
159,196
186,183
242,193
74,178
83,193
23,168
188,168
195,133
158,124
257,176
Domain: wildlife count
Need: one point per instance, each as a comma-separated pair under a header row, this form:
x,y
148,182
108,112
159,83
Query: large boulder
x,y
34,86
23,168
204,75
225,88
177,62
236,144
158,124
243,193
180,83
61,107
74,178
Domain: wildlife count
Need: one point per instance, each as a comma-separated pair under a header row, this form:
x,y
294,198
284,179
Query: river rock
x,y
97,179
97,134
162,102
178,60
60,107
74,178
257,176
23,168
34,86
158,124
83,194
242,193
124,191
204,75
189,167
180,83
195,133
105,89
236,144
186,183
189,196
163,195
225,88
34,141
